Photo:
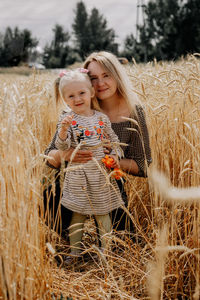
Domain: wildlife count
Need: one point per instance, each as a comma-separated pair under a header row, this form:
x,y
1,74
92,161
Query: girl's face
x,y
77,95
104,84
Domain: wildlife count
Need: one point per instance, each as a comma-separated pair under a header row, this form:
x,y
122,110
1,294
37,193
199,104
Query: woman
x,y
114,93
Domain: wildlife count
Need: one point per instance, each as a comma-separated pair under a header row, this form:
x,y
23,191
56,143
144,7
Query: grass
x,y
20,71
164,260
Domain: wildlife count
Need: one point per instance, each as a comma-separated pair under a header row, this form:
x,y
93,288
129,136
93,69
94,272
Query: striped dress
x,y
87,189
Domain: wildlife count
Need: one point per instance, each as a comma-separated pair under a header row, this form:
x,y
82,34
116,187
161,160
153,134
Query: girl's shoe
x,y
72,259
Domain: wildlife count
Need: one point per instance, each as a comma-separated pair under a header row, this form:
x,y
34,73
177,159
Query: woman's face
x,y
104,84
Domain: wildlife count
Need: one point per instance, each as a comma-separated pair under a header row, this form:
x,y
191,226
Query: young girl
x,y
87,190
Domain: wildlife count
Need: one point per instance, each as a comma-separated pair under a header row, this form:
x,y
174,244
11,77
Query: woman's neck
x,y
107,105
115,108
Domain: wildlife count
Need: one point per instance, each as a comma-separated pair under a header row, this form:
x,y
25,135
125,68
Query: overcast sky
x,y
40,16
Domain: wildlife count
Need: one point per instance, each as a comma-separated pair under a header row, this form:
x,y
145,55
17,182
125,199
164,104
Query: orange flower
x,y
101,123
108,161
87,133
118,173
73,122
98,130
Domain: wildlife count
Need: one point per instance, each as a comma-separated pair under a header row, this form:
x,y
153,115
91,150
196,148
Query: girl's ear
x,y
92,92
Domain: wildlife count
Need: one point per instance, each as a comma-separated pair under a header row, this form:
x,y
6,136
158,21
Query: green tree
x,y
171,29
161,27
55,54
101,38
1,50
131,49
189,33
91,32
29,44
12,47
16,46
80,29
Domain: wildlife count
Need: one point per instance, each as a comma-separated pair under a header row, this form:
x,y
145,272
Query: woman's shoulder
x,y
138,111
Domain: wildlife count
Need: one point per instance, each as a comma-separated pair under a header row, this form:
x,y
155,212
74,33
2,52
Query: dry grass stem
x,y
161,259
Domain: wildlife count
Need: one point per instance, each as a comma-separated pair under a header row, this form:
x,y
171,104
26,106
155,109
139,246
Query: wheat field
x,y
163,262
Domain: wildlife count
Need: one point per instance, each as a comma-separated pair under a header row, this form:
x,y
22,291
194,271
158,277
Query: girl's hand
x,y
66,122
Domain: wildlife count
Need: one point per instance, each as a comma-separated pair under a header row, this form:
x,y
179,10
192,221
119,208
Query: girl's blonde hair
x,y
56,90
79,75
112,65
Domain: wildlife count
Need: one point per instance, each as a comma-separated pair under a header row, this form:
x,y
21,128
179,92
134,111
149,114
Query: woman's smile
x,y
102,90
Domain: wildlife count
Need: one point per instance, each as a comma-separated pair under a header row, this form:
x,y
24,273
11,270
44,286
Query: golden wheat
x,y
163,261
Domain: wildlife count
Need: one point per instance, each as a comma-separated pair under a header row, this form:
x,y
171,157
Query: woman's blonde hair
x,y
112,65
76,75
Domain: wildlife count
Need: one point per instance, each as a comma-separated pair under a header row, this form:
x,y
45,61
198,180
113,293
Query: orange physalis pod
x,y
108,161
118,173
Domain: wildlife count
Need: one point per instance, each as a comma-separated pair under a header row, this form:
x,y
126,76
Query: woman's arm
x,y
55,155
141,151
111,136
129,166
137,155
54,159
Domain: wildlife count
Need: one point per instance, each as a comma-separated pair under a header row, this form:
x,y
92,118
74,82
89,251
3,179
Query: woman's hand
x,y
82,156
56,156
115,163
129,165
107,146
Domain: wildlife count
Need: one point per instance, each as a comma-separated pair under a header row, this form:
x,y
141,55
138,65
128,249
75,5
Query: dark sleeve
x,y
116,150
52,145
141,151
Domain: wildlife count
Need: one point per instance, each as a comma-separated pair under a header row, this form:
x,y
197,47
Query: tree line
x,y
170,29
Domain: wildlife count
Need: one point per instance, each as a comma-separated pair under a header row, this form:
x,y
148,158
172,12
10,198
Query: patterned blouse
x,y
86,189
137,139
